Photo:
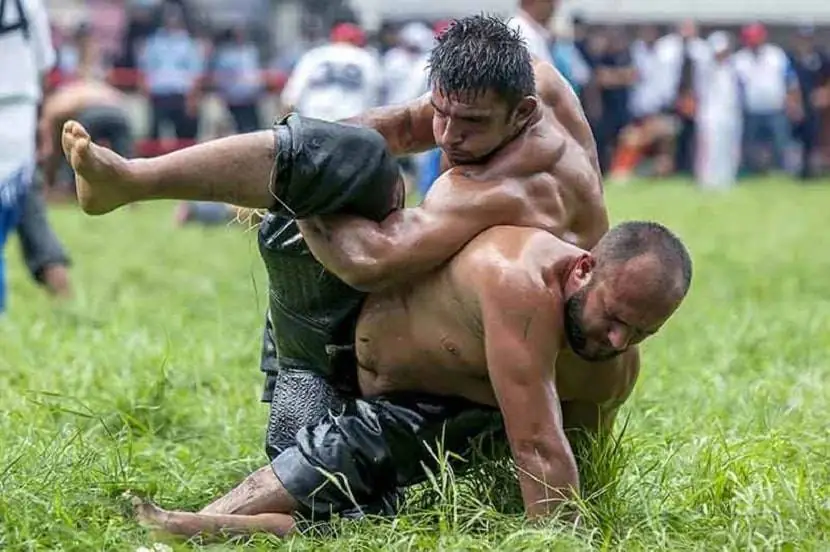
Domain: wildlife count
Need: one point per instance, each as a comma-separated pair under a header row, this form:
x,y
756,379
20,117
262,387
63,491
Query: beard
x,y
575,330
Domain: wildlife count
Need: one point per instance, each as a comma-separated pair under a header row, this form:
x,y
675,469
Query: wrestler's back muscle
x,y
428,337
551,169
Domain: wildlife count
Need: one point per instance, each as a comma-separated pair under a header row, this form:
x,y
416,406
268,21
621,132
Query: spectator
x,y
812,68
769,84
237,76
615,75
26,57
141,25
172,63
651,130
80,57
681,52
719,117
399,63
568,59
532,21
337,80
107,23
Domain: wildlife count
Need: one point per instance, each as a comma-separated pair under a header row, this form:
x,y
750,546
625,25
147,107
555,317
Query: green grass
x,y
149,382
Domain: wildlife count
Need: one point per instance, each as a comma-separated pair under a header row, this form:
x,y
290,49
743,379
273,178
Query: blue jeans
x,y
11,196
761,129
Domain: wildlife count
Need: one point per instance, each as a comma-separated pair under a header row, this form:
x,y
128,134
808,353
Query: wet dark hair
x,y
629,240
480,53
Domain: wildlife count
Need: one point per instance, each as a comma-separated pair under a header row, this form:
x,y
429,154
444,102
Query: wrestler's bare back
x,y
428,336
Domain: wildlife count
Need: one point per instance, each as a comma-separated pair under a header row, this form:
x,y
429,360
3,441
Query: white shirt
x,y
398,66
26,52
334,82
536,36
671,52
764,78
651,92
719,93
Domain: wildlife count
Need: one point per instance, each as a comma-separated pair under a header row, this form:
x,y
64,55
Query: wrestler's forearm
x,y
407,128
236,170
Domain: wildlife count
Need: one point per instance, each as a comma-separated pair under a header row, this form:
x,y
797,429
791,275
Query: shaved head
x,y
651,250
627,288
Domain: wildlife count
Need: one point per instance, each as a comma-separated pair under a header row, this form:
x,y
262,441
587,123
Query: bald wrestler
x,y
517,150
519,323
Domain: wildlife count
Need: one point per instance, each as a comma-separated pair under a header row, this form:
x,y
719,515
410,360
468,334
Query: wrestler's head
x,y
625,289
483,89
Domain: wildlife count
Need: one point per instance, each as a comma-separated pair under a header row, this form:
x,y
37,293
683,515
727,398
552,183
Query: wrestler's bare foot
x,y
149,515
102,177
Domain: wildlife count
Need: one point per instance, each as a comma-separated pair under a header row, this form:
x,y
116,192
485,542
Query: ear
x,y
524,110
583,270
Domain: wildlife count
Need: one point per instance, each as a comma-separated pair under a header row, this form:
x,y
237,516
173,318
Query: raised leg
x,y
233,170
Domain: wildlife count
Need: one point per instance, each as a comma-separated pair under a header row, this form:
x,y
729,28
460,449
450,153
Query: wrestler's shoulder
x,y
511,255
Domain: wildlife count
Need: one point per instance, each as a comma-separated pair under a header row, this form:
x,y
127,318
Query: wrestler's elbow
x,y
363,275
368,272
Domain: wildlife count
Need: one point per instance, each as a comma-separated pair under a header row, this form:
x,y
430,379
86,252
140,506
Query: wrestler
x,y
517,148
97,106
519,323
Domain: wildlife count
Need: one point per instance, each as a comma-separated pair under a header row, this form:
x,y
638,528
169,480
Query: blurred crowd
x,y
661,101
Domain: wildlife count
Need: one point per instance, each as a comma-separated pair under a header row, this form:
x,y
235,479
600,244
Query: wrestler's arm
x,y
371,256
521,345
407,128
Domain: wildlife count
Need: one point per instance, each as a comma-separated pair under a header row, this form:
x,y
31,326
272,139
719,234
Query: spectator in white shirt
x,y
770,87
681,52
533,21
399,63
26,56
651,131
719,117
337,80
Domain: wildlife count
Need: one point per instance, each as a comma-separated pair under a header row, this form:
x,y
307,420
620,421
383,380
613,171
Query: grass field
x,y
149,382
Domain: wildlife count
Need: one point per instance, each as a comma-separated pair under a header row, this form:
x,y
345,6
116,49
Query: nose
x,y
451,136
619,337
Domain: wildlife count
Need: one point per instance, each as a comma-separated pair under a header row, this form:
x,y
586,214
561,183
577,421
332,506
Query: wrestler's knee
x,y
300,398
325,167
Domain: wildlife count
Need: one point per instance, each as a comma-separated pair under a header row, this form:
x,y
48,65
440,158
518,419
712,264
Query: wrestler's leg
x,y
304,166
259,504
187,524
231,170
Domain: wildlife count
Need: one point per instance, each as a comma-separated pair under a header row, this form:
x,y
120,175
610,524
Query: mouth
x,y
459,156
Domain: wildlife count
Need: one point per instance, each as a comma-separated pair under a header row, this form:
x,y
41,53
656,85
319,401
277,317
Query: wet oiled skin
x,y
428,337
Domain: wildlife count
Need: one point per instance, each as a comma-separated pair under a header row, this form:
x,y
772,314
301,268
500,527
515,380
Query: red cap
x,y
754,34
348,32
441,26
